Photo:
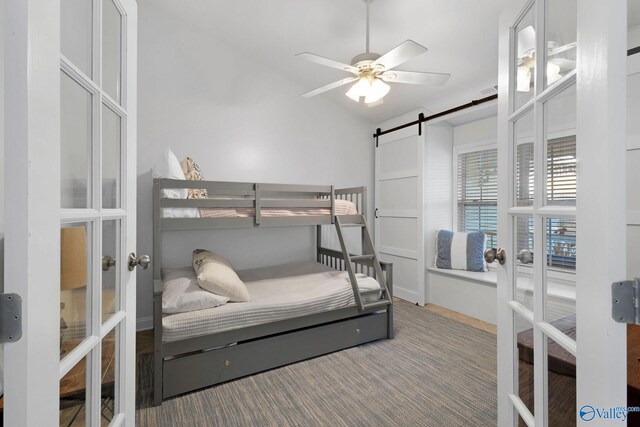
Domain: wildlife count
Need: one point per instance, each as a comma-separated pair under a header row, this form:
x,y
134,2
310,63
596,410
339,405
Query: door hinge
x,y
625,301
10,318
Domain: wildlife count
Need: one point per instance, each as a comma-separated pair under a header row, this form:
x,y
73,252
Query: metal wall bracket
x,y
10,318
625,301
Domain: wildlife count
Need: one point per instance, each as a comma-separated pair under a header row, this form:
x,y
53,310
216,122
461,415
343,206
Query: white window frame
x,y
486,144
556,274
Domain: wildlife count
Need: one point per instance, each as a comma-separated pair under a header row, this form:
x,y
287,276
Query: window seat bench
x,y
474,293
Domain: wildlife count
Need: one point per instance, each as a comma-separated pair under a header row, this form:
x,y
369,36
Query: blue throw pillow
x,y
461,251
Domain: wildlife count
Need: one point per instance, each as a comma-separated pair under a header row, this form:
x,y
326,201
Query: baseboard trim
x,y
144,323
406,295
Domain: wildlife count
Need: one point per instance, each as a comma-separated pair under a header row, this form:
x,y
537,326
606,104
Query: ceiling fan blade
x,y
561,49
329,87
327,62
400,54
415,77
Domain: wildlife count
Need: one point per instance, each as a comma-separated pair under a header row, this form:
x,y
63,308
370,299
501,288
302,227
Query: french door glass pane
x,y
75,284
111,265
523,245
560,140
524,361
524,68
560,299
111,50
76,35
111,151
109,378
561,39
561,377
75,144
73,396
523,153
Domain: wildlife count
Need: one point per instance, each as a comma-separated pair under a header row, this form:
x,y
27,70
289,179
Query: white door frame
x,y
602,93
32,238
32,205
601,113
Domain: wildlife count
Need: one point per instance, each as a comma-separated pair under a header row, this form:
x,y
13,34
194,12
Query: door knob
x,y
107,263
525,256
142,261
490,255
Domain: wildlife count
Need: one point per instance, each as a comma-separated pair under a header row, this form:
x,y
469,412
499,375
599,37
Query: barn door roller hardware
x,y
625,304
423,119
10,318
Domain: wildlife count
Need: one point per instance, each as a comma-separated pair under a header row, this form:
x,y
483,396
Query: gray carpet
x,y
436,372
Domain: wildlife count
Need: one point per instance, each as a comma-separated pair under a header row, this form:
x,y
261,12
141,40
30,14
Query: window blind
x,y
477,193
561,171
561,190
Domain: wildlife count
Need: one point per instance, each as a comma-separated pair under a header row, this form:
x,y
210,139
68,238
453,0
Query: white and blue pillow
x,y
461,251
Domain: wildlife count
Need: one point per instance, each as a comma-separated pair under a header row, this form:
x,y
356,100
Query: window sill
x,y
487,277
556,288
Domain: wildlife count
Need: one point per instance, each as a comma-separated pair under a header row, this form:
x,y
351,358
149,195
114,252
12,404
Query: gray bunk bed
x,y
196,362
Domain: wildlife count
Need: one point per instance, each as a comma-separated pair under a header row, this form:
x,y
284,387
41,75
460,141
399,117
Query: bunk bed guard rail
x,y
253,199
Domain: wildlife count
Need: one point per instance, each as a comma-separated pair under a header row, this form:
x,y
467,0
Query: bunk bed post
x,y
363,201
318,243
157,296
333,205
388,270
257,203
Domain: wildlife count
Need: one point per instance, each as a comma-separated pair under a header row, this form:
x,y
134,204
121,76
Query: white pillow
x,y
216,274
169,167
181,292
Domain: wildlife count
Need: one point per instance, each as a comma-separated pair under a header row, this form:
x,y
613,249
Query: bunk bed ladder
x,y
369,254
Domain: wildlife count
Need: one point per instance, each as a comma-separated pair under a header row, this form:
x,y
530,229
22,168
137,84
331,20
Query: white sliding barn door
x,y
70,190
398,212
559,125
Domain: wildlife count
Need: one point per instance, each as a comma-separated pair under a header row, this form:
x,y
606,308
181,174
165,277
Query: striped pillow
x,y
461,251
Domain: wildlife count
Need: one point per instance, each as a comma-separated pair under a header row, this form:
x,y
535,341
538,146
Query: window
x,y
561,190
477,196
477,192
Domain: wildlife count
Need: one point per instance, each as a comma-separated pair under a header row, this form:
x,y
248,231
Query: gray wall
x,y
240,121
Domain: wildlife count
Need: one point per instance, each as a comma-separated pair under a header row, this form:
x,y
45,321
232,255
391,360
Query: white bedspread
x,y
277,293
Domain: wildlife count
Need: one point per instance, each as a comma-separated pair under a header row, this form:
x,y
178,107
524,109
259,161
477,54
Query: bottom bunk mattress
x,y
277,293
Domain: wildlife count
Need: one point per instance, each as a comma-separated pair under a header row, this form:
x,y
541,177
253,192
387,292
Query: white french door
x,y
561,220
71,211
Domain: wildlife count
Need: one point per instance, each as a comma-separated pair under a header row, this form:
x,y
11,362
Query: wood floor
x,y
459,317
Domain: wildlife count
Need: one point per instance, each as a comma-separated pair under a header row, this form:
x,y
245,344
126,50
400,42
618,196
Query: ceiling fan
x,y
526,59
371,71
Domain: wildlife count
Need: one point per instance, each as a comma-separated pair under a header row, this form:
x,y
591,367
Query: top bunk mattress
x,y
277,293
342,207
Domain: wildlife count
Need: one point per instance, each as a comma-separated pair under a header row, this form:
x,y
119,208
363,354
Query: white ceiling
x,y
462,37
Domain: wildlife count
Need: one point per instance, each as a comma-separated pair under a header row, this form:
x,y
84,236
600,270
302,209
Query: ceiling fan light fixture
x,y
553,73
377,90
523,82
359,89
370,88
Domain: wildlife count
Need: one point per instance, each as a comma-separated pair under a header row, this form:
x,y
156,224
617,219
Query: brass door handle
x,y
490,255
143,261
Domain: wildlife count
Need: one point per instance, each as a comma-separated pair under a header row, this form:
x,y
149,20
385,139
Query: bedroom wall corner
x,y
238,126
